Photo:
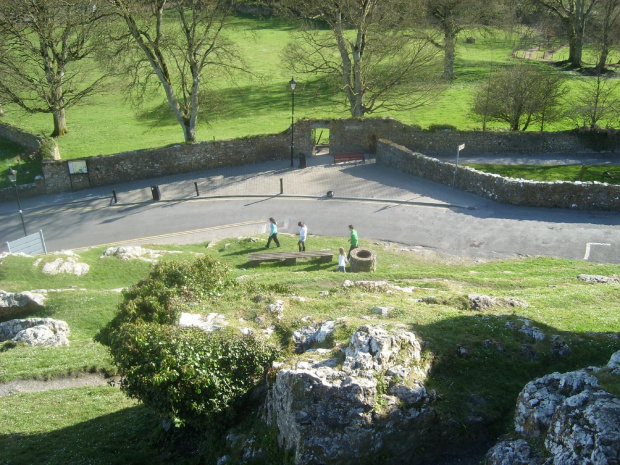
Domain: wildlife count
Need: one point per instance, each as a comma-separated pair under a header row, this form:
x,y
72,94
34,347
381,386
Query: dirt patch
x,y
34,385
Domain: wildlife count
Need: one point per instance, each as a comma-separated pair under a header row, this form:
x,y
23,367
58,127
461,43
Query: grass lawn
x,y
84,425
594,173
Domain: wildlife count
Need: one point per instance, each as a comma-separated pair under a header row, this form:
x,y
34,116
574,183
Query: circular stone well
x,y
363,260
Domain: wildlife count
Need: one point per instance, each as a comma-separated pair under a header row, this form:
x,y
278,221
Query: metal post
x,y
196,186
456,166
292,127
281,186
19,206
114,196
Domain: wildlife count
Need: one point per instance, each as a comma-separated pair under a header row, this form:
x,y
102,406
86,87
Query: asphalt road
x,y
405,210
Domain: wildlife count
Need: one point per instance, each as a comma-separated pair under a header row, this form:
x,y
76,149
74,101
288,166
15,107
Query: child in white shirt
x,y
342,261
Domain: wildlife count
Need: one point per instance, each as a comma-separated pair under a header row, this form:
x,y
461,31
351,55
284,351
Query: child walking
x,y
342,260
303,232
273,233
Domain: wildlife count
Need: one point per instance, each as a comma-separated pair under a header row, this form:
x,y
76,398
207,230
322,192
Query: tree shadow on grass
x,y
492,357
119,437
480,364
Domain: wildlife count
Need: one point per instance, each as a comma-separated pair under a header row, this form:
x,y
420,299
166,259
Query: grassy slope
x,y
558,303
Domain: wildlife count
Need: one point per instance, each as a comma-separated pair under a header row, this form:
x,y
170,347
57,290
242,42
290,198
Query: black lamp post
x,y
293,84
13,180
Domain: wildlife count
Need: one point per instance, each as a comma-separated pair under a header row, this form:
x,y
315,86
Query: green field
x,y
551,173
99,426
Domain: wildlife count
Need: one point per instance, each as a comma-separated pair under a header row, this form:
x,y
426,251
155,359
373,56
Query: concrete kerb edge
x,y
301,196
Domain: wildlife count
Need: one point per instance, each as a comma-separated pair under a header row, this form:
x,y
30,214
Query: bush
x,y
167,291
186,375
183,374
441,127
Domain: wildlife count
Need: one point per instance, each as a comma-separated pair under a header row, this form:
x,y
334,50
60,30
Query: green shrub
x,y
48,149
167,291
183,374
186,375
441,127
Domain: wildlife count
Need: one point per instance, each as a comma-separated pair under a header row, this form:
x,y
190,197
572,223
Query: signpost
x,y
456,166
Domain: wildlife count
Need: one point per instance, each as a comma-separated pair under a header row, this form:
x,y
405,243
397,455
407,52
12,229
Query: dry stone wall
x,y
576,195
30,142
370,135
150,163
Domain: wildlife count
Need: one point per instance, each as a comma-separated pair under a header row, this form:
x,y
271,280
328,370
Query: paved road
x,y
382,203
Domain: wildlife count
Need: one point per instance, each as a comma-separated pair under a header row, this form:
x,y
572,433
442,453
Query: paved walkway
x,y
346,180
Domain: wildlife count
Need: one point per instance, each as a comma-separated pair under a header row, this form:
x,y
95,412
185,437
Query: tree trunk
x,y
60,123
189,132
574,48
1,110
448,60
602,60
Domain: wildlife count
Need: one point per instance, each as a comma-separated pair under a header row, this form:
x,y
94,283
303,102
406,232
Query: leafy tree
x,y
574,15
43,43
180,43
598,100
520,96
367,51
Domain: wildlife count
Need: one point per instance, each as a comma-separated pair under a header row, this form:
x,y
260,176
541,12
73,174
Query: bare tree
x,y
606,30
598,101
43,43
574,15
378,62
520,96
178,42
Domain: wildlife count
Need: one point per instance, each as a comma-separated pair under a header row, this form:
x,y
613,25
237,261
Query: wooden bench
x,y
349,156
289,258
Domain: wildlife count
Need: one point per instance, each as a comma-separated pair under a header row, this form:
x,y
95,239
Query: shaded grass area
x,y
96,425
499,361
586,173
12,156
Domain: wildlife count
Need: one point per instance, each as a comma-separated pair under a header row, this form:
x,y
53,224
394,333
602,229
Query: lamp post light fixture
x,y
293,84
13,180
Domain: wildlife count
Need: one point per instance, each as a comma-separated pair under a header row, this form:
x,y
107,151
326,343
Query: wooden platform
x,y
349,156
289,258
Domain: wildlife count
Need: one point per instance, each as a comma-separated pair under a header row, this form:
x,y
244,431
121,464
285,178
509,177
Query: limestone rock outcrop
x,y
69,265
210,322
577,421
20,303
329,411
36,332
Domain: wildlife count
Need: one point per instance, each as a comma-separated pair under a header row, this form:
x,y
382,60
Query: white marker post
x,y
456,167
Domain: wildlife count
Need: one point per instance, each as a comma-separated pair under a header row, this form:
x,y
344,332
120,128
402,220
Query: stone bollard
x,y
363,260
